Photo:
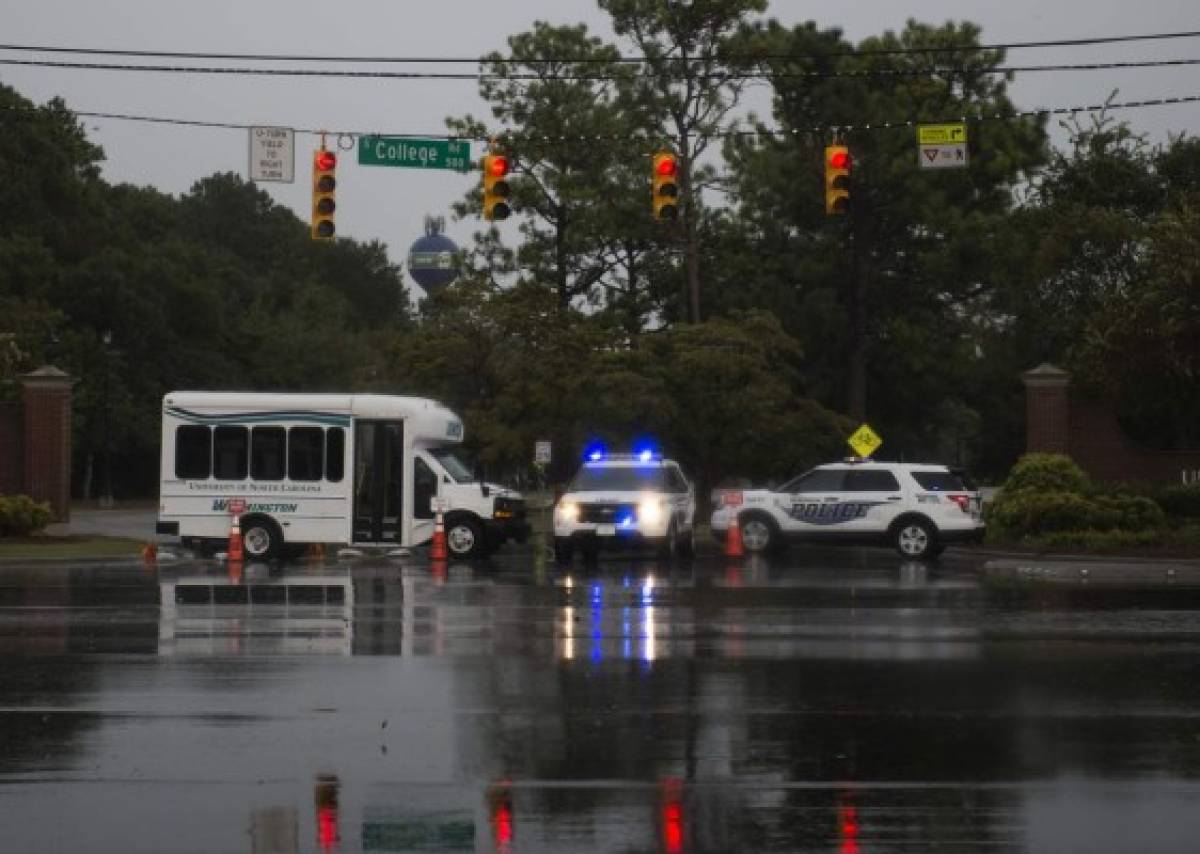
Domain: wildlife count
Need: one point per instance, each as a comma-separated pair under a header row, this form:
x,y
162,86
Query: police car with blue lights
x,y
917,508
626,500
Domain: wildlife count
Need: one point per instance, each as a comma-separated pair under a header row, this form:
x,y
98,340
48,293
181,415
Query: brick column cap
x,y
1046,375
47,377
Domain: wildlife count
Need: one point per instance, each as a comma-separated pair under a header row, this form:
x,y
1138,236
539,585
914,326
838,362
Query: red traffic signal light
x,y
665,189
324,187
325,160
497,165
837,179
496,189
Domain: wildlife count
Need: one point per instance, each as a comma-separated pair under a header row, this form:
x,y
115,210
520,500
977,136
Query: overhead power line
x,y
1020,45
972,118
722,75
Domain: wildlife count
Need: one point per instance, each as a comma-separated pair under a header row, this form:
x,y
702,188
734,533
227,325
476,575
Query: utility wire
x,y
723,75
971,118
1099,40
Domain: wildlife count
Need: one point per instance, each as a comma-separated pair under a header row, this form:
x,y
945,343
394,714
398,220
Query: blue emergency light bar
x,y
645,455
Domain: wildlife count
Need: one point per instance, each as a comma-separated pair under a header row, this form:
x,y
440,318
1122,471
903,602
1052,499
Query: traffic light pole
x,y
857,387
691,249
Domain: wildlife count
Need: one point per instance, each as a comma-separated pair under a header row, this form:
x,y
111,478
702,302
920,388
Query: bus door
x,y
378,481
425,489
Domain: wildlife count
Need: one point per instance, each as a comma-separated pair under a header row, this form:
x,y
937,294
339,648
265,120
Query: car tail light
x,y
963,502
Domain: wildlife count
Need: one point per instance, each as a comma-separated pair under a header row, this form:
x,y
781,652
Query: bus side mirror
x,y
481,478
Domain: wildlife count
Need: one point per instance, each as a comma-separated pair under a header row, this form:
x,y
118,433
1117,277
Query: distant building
x,y
1060,422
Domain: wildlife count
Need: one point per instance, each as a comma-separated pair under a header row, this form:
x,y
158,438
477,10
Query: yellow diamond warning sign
x,y
864,441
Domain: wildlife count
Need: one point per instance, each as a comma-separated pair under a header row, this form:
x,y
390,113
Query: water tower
x,y
433,261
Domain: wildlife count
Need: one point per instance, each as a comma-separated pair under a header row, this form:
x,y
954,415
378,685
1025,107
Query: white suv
x,y
626,500
917,508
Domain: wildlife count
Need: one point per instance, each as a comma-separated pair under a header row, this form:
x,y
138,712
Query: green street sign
x,y
414,153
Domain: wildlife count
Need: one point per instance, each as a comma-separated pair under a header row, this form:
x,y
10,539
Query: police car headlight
x,y
568,511
650,511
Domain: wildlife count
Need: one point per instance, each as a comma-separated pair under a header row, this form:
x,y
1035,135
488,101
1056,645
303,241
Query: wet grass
x,y
44,547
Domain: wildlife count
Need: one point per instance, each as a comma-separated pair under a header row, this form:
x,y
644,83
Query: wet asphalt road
x,y
821,701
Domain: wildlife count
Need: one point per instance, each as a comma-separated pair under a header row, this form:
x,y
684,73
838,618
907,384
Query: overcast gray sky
x,y
389,204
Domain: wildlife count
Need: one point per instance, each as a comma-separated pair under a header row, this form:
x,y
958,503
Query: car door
x,y
872,499
814,501
683,499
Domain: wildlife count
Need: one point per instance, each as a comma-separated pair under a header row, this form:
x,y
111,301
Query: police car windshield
x,y
619,479
455,467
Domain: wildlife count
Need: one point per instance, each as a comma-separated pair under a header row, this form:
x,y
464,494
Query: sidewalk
x,y
133,521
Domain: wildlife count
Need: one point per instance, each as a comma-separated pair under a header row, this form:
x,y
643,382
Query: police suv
x,y
626,500
918,508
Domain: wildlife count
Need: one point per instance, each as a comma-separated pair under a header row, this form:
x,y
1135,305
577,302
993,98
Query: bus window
x,y
335,454
230,452
267,453
193,452
306,445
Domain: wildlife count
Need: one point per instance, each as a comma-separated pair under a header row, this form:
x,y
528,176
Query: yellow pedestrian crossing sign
x,y
864,441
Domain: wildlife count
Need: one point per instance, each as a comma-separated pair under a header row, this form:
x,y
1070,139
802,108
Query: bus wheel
x,y
464,537
261,538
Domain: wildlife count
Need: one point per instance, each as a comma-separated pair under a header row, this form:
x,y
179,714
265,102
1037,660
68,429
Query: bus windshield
x,y
455,467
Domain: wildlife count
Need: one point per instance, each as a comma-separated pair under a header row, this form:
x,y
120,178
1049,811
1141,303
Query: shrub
x,y
1133,512
20,515
1103,541
1027,513
1180,502
1046,473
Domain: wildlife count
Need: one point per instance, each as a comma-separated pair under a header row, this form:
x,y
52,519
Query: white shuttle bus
x,y
360,469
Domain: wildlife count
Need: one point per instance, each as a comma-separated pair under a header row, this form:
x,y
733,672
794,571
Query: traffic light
x,y
496,189
837,179
666,187
323,190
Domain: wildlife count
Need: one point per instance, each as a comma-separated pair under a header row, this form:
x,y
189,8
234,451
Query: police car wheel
x,y
669,547
757,535
687,543
464,538
916,539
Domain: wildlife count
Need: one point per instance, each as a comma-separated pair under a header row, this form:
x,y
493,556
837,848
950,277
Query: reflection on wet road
x,y
841,702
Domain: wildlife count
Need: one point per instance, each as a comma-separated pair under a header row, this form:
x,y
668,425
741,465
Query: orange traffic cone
x,y
235,540
437,547
733,540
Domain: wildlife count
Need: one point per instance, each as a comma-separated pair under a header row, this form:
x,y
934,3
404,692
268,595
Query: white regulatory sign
x,y
541,452
951,155
273,154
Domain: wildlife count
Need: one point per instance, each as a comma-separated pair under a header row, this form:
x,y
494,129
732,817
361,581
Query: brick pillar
x,y
46,396
12,447
1047,410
